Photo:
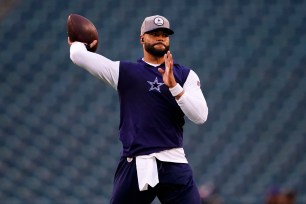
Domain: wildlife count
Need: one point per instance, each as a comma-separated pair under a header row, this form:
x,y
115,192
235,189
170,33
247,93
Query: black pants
x,y
176,185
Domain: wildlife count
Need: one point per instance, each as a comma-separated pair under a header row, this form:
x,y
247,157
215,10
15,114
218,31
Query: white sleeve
x,y
192,102
98,65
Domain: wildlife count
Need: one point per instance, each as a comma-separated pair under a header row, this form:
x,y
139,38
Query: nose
x,y
160,38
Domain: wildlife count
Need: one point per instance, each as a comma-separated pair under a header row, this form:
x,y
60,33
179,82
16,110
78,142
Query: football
x,y
82,30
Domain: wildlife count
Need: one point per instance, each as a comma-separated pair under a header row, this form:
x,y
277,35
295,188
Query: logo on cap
x,y
159,21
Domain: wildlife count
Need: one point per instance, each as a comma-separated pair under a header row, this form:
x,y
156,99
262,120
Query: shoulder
x,y
128,64
139,62
181,73
129,70
181,69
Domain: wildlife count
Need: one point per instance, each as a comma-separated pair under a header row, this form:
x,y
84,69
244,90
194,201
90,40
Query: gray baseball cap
x,y
155,22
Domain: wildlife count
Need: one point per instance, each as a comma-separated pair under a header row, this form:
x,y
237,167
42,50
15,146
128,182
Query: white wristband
x,y
176,90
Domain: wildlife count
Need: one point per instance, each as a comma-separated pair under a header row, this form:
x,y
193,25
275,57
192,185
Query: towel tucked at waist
x,y
146,166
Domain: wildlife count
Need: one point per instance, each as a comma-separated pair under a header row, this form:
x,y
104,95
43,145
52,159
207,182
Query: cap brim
x,y
166,30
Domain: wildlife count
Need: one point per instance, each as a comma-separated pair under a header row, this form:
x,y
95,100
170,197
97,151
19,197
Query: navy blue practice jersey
x,y
150,118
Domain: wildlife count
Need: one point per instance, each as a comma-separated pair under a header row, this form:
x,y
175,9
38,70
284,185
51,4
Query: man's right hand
x,y
90,46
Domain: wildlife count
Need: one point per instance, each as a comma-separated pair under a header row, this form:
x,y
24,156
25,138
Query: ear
x,y
141,39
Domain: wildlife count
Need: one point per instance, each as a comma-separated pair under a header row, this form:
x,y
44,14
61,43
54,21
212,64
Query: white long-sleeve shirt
x,y
192,103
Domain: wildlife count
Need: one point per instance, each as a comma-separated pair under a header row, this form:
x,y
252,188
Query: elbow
x,y
202,118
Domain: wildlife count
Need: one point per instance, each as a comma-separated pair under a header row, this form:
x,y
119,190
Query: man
x,y
155,93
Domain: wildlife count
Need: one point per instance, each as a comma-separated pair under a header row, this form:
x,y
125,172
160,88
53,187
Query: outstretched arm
x,y
98,65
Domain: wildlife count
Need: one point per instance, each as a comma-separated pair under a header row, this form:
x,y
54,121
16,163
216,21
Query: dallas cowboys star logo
x,y
155,85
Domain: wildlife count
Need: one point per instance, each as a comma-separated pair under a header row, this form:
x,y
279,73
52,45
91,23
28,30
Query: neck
x,y
147,57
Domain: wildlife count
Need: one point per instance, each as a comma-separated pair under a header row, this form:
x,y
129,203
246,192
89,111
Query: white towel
x,y
146,166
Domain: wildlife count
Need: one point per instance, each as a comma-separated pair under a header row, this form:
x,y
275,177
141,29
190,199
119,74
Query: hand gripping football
x,y
82,30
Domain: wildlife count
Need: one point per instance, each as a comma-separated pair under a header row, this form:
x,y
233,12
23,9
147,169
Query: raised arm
x,y
98,65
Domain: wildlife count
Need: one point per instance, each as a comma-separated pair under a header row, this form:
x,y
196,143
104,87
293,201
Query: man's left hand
x,y
167,74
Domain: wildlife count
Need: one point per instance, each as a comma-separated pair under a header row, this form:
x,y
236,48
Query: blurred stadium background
x,y
58,124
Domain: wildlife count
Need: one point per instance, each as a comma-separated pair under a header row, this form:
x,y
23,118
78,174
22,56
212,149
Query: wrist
x,y
176,90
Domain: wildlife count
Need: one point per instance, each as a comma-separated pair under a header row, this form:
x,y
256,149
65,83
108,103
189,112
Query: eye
x,y
154,34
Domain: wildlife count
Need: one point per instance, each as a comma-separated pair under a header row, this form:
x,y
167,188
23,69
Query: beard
x,y
150,48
